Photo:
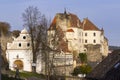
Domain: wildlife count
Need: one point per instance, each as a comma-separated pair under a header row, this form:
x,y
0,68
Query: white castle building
x,y
77,34
19,53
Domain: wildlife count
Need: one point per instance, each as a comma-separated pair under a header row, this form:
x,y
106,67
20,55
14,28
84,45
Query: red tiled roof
x,y
70,30
53,24
88,25
75,21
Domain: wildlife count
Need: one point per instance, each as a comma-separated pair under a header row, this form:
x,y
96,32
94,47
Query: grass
x,y
5,77
30,74
27,74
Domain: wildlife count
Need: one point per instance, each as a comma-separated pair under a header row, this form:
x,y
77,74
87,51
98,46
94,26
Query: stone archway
x,y
18,64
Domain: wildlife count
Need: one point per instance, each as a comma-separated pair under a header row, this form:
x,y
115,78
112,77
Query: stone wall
x,y
93,54
63,70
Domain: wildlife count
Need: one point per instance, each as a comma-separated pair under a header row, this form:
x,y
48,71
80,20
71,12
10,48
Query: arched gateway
x,y
18,64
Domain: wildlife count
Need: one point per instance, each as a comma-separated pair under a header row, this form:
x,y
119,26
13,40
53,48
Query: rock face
x,y
93,54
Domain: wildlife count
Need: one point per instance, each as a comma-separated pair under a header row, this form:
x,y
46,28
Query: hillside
x,y
114,47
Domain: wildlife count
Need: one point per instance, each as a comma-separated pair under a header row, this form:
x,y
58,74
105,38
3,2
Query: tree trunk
x,y
0,61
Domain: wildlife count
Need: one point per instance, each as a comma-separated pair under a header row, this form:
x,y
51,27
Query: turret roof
x,y
24,31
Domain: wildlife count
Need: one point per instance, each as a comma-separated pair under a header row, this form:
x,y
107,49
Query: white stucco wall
x,y
20,49
75,39
90,37
24,55
39,64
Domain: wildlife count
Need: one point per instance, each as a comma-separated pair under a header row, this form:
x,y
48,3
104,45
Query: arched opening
x,y
18,64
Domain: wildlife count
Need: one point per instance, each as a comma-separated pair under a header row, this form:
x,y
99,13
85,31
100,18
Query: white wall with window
x,y
92,37
75,38
19,53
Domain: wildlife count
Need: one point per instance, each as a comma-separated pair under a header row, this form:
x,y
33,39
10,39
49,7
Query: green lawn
x,y
26,74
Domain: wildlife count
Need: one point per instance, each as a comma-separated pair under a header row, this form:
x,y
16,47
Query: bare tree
x,y
57,43
37,24
4,28
4,38
15,33
0,61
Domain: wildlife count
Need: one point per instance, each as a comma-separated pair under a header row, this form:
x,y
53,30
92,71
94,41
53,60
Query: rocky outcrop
x,y
93,54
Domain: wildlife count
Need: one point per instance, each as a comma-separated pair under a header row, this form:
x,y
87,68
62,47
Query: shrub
x,y
83,69
83,57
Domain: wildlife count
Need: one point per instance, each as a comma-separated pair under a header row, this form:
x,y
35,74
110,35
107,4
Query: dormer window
x,y
24,37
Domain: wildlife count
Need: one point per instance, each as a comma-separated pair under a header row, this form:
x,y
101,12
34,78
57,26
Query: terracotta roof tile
x,y
75,21
53,24
70,30
88,25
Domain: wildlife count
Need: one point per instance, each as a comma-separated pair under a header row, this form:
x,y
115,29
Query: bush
x,y
83,57
84,69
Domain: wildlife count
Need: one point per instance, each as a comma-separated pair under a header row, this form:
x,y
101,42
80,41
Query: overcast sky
x,y
103,13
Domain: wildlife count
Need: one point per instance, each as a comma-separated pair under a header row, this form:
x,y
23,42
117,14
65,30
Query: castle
x,y
78,37
68,36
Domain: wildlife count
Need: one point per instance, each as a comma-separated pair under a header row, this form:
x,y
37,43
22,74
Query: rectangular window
x,y
28,44
80,40
94,34
19,44
85,41
94,41
85,34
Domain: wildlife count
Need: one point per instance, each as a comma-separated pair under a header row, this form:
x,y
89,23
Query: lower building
x,y
19,53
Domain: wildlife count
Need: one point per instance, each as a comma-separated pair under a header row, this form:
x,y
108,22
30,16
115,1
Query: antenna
x,y
65,11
